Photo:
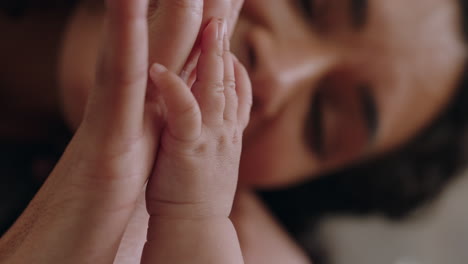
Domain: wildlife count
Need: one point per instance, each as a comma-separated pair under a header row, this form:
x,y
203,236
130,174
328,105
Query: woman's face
x,y
333,81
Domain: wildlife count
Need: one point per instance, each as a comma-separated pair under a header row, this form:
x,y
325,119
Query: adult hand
x,y
224,9
81,212
135,236
190,195
227,9
176,25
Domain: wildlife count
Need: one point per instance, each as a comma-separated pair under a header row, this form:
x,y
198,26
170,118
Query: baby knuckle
x,y
220,53
236,137
222,139
229,138
230,84
221,143
200,149
217,87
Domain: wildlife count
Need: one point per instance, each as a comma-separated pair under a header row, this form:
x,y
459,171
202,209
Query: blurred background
x,y
386,211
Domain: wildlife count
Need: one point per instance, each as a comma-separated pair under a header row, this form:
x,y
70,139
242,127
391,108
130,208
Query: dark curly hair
x,y
18,8
393,185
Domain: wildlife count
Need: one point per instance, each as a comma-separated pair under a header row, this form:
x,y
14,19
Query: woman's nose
x,y
282,65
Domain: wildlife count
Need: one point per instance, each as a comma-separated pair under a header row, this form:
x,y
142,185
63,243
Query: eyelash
x,y
307,9
328,93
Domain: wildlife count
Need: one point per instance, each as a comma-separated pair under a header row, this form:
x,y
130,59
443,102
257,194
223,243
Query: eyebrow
x,y
463,5
359,13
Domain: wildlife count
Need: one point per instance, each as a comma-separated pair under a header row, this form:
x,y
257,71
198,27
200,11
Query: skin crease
x,y
409,55
394,53
397,53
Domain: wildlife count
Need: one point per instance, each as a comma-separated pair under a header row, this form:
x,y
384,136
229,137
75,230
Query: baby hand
x,y
196,171
190,194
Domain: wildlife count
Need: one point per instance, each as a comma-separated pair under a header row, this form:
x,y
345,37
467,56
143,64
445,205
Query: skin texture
x,y
287,58
82,210
195,176
397,53
290,59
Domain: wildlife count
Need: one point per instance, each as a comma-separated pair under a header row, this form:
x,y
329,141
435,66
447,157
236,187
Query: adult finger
x,y
81,212
173,28
118,98
227,9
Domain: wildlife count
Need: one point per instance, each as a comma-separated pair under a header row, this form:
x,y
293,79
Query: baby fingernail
x,y
157,69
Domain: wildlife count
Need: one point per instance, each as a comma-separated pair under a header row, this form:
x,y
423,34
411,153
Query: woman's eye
x,y
343,120
327,16
317,13
308,9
